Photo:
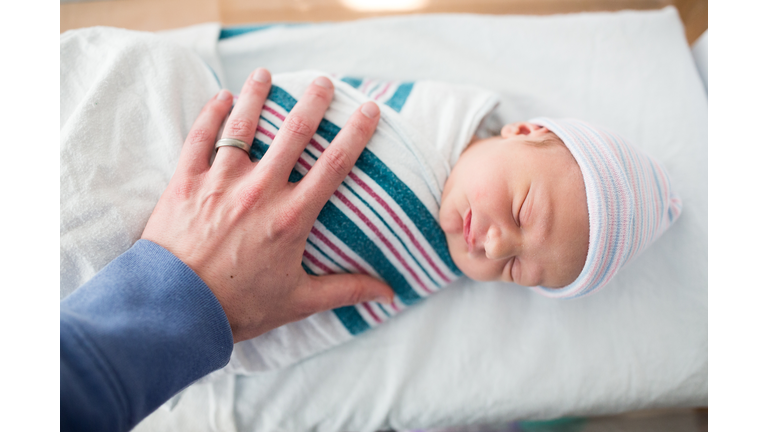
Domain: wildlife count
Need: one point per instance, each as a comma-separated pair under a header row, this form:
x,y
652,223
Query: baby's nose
x,y
500,243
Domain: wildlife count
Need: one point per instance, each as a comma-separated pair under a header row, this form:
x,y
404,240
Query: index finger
x,y
337,160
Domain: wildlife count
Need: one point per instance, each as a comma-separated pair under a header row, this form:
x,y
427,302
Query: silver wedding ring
x,y
231,142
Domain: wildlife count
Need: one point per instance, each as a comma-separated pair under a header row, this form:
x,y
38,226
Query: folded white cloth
x,y
128,100
383,219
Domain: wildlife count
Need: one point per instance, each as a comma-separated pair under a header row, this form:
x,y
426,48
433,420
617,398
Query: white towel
x,y
128,100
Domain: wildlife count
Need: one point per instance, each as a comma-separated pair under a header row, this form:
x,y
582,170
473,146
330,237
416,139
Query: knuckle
x,y
257,88
360,130
356,291
308,308
297,126
184,189
249,197
289,221
207,199
239,127
337,161
318,92
217,107
286,224
198,136
212,195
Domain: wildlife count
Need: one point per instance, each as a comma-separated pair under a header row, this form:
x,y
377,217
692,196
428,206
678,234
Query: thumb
x,y
332,291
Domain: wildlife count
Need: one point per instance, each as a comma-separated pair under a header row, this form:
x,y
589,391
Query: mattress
x,y
489,352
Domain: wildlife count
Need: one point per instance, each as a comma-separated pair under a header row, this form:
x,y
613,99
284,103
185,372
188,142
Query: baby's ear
x,y
522,128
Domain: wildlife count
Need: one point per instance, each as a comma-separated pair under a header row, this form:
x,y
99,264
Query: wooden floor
x,y
166,14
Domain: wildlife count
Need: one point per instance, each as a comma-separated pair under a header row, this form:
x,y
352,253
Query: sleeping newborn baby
x,y
514,209
555,205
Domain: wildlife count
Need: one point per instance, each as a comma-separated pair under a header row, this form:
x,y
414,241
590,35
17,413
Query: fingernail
x,y
323,82
383,300
260,75
223,95
370,109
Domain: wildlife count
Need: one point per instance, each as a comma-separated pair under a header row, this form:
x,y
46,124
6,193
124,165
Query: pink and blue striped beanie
x,y
629,200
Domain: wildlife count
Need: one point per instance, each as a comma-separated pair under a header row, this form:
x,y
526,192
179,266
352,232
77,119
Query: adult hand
x,y
242,227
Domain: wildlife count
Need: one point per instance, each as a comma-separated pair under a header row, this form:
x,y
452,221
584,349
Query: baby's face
x,y
514,209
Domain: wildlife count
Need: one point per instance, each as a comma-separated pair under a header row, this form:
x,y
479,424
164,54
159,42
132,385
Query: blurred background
x,y
154,15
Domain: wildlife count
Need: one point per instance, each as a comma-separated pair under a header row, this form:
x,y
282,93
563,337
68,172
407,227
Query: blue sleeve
x,y
141,330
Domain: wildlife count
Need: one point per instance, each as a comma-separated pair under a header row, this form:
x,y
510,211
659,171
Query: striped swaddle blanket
x,y
382,220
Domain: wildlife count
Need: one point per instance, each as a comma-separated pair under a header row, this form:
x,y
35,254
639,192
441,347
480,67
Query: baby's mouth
x,y
468,238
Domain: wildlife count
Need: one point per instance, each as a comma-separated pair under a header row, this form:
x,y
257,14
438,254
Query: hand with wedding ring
x,y
242,227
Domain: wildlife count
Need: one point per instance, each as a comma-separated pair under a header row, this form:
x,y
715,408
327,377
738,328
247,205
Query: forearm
x,y
142,329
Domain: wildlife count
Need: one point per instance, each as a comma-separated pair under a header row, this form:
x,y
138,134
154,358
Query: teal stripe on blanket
x,y
354,82
410,203
307,269
395,102
352,236
384,222
348,315
398,99
258,148
372,166
352,320
230,32
326,256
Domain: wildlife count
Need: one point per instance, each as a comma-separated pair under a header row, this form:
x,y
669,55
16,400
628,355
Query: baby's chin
x,y
472,273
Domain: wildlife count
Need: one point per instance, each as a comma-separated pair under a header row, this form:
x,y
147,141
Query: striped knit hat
x,y
629,200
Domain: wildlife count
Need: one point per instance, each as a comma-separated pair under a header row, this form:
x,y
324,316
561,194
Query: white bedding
x,y
486,352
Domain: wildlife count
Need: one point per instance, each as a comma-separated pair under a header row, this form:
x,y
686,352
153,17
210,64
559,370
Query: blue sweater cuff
x,y
142,329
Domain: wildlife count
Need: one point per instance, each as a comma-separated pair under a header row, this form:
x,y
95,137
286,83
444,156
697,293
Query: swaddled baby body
x,y
555,205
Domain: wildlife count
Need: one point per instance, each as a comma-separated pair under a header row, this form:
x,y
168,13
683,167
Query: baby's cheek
x,y
479,269
450,220
458,250
458,254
